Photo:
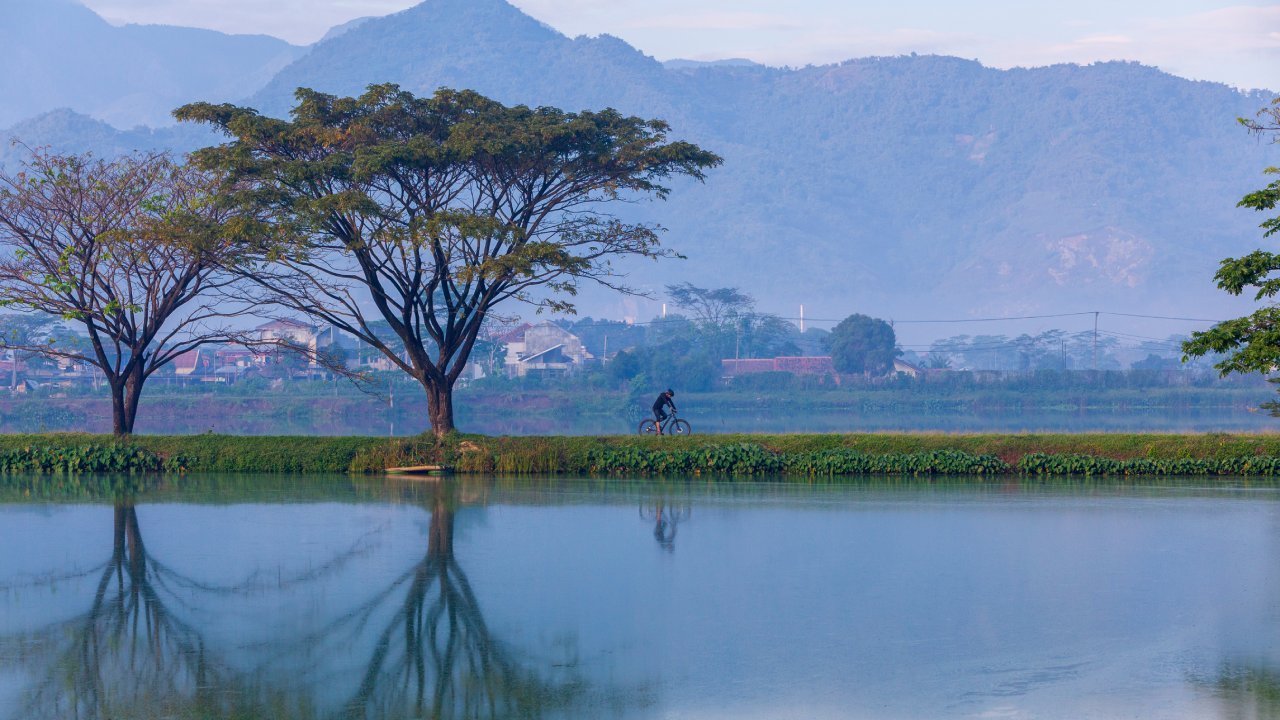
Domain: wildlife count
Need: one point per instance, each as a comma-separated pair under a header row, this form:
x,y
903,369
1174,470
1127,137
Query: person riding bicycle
x,y
660,404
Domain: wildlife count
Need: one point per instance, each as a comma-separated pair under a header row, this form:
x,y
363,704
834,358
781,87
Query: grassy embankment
x,y
797,456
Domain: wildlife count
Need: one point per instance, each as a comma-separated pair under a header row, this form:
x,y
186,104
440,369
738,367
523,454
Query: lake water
x,y
244,597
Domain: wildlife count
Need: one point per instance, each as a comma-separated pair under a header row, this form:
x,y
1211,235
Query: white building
x,y
544,348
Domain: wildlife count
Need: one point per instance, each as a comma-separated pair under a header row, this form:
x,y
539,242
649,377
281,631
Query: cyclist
x,y
660,404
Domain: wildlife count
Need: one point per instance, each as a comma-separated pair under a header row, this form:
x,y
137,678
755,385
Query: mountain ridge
x,y
888,185
126,75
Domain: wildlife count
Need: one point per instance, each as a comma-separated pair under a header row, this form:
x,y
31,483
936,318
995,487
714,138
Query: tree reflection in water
x,y
437,658
129,655
422,644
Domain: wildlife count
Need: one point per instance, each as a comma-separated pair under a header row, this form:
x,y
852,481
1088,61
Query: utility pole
x,y
801,319
1095,341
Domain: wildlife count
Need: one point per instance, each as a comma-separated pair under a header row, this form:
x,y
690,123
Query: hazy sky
x,y
1236,42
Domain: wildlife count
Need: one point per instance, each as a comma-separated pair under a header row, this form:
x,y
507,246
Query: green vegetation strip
x,y
719,455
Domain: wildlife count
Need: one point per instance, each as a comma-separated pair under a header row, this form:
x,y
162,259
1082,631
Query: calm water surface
x,y
319,598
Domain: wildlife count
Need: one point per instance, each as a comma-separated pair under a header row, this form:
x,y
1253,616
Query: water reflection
x,y
138,651
547,599
128,653
436,657
666,512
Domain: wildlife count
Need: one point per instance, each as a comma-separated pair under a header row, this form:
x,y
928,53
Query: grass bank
x,y
729,455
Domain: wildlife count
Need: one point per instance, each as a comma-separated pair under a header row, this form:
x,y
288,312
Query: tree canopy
x,y
428,213
863,344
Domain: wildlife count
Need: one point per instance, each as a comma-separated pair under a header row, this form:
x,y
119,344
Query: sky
x,y
1234,41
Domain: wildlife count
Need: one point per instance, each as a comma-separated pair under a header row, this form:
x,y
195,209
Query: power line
x,y
1161,317
1009,318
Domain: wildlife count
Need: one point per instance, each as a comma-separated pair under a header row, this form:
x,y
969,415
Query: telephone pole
x,y
1095,341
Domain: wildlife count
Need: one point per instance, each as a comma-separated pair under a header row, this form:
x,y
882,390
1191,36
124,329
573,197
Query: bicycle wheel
x,y
679,427
648,427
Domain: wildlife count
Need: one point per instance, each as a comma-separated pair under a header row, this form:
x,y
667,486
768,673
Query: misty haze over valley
x,y
909,187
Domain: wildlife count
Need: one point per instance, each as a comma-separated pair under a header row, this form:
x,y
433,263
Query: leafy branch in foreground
x,y
1251,343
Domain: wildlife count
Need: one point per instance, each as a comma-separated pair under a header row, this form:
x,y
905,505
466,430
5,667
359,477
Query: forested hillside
x,y
905,186
898,184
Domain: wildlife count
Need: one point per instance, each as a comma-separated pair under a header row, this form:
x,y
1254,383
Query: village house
x,y
292,331
193,363
543,348
902,367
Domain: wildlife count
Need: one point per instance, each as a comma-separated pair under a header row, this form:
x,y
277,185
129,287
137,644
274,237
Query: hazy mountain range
x,y
907,186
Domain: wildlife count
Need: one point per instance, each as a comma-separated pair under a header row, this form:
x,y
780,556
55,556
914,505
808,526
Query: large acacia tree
x,y
1250,343
428,213
128,251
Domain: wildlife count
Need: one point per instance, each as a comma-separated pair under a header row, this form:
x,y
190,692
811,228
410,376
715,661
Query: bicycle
x,y
670,426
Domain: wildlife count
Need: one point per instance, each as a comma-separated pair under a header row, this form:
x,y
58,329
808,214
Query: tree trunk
x,y
137,559
132,394
122,512
118,425
439,407
440,532
126,390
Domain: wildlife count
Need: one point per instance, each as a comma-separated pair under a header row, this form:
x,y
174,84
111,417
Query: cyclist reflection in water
x,y
660,404
664,530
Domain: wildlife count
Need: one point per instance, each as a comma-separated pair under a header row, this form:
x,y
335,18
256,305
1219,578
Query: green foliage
x,y
679,362
744,459
1251,343
51,459
862,344
936,462
792,456
1042,464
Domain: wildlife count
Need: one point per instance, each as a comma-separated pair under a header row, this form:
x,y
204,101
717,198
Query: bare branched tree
x,y
713,307
132,250
429,213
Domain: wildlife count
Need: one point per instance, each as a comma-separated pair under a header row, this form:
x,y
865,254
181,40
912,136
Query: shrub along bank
x,y
796,456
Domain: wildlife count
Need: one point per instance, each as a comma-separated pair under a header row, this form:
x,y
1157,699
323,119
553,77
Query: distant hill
x,y
58,53
70,132
918,186
337,30
682,64
891,184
